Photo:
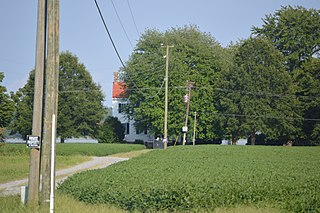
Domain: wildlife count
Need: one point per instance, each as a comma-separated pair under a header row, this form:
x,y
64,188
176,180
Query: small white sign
x,y
33,141
185,129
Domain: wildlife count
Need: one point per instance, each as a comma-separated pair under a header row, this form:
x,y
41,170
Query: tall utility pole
x,y
165,134
34,173
57,56
51,95
194,129
188,97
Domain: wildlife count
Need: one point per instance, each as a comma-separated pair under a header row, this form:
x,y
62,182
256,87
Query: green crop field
x,y
205,178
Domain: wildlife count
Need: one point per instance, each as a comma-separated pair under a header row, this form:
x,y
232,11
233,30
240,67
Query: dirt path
x,y
13,188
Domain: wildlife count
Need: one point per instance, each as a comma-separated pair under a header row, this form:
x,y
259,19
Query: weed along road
x,y
13,187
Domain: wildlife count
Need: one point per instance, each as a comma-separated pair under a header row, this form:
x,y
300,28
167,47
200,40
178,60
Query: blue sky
x,y
82,32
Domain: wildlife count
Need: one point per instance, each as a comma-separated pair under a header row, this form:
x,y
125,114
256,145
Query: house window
x,y
121,107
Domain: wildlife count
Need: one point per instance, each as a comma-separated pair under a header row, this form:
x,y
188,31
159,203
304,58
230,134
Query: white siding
x,y
132,136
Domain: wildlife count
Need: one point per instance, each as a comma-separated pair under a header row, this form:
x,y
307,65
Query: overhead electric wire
x,y
124,30
110,37
134,22
259,93
115,49
265,116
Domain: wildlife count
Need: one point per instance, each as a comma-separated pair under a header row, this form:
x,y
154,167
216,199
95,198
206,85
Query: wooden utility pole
x,y
194,129
34,173
57,56
51,94
188,97
165,134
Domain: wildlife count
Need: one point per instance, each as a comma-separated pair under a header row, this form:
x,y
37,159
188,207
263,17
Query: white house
x,y
118,102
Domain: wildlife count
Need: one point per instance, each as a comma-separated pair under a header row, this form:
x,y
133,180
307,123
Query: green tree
x,y
80,107
256,94
196,57
308,82
111,131
23,100
295,31
6,108
80,100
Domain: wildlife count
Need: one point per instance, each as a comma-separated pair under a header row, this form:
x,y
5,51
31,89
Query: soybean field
x,y
204,178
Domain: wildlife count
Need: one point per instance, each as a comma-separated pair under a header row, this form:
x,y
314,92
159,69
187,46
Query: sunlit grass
x,y
131,154
17,167
15,158
63,204
67,204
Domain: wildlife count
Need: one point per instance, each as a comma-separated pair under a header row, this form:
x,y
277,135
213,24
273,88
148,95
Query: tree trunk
x,y
234,138
62,140
253,138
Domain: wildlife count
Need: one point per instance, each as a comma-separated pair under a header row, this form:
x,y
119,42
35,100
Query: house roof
x,y
118,90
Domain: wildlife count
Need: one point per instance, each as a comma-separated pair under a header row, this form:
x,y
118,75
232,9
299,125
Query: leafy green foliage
x,y
256,94
295,31
6,109
308,82
204,178
196,57
23,99
6,105
80,100
80,107
111,131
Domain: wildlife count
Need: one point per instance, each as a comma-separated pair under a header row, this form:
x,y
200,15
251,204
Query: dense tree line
x,y
264,88
295,32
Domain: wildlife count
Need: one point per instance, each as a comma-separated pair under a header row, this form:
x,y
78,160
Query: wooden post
x,y
165,134
34,173
189,87
194,129
51,95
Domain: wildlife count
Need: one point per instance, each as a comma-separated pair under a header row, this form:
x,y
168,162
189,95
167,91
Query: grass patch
x,y
66,204
63,204
131,154
17,167
100,149
207,178
14,158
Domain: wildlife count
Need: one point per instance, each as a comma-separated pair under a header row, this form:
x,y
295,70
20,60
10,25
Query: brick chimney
x,y
115,77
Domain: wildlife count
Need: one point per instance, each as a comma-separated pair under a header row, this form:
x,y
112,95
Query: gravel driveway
x,y
13,188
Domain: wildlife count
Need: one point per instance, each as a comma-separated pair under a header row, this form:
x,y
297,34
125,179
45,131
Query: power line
x,y
124,30
265,116
134,22
109,35
263,93
113,44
